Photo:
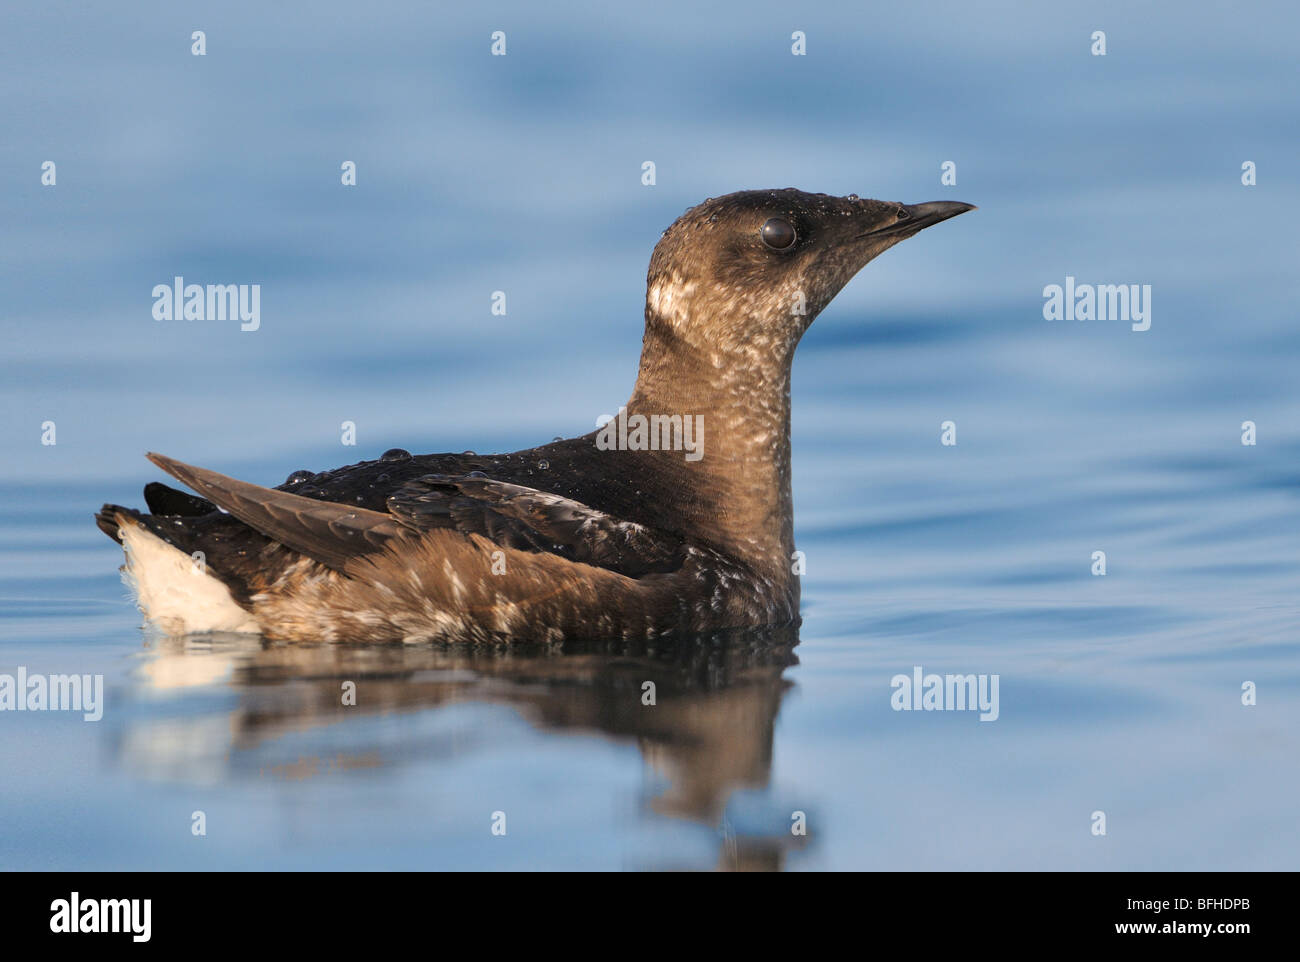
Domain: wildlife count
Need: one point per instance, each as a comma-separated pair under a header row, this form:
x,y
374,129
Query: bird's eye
x,y
778,233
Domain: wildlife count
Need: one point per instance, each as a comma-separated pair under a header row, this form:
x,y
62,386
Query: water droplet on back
x,y
298,477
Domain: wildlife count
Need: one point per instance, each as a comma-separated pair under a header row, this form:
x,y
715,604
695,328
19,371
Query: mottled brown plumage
x,y
569,539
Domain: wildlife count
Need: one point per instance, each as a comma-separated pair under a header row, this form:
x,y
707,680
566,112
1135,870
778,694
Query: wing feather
x,y
327,532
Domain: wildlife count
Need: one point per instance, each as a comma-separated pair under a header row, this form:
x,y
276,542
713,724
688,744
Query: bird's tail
x,y
162,500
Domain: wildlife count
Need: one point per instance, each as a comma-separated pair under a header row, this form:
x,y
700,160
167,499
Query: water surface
x,y
1119,694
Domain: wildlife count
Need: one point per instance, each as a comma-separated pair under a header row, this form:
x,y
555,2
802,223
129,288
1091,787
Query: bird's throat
x,y
736,484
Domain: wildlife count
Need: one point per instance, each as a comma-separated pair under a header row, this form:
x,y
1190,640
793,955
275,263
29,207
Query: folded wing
x,y
510,515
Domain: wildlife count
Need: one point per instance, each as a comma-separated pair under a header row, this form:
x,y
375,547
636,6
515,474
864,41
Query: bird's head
x,y
748,272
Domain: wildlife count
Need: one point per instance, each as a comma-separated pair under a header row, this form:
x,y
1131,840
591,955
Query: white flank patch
x,y
170,591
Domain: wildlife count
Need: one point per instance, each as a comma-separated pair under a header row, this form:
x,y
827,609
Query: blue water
x,y
1120,694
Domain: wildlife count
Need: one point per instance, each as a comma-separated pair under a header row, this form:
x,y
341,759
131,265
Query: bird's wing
x,y
510,515
530,519
330,533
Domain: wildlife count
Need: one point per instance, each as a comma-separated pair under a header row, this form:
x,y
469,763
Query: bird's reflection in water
x,y
707,736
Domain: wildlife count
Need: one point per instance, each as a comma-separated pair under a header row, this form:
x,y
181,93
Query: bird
x,y
675,519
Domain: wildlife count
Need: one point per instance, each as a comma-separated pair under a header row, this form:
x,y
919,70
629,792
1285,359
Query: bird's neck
x,y
735,489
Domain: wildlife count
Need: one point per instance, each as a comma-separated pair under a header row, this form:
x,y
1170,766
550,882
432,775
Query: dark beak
x,y
926,215
937,211
921,216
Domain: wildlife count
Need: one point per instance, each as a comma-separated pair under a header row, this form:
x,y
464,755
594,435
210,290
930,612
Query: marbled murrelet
x,y
565,540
